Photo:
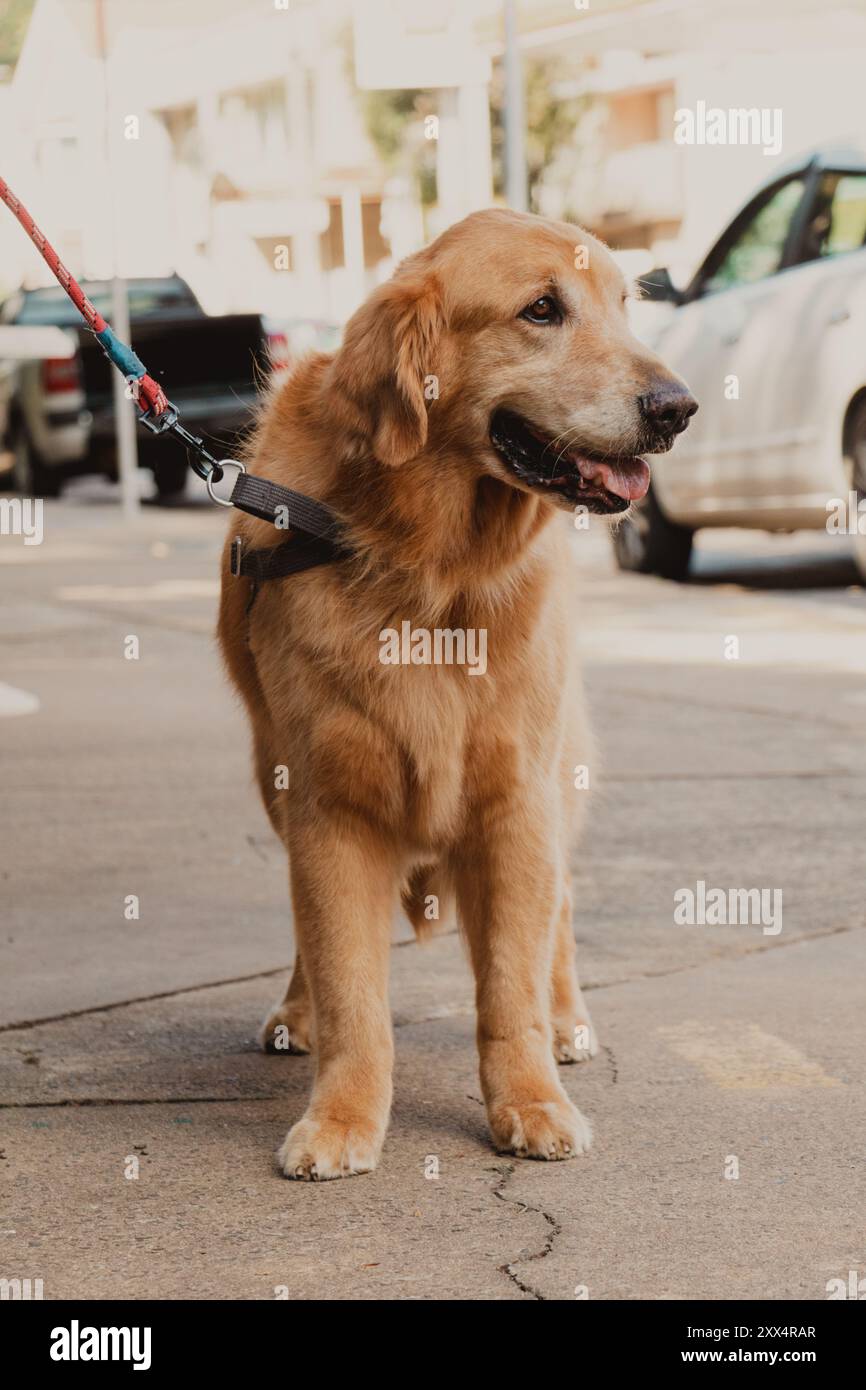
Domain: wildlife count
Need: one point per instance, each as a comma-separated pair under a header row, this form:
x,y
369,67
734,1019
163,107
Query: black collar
x,y
314,536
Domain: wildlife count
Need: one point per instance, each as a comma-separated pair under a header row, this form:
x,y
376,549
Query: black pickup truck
x,y
62,413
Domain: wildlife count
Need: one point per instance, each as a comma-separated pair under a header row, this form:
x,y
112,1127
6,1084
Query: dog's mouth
x,y
602,483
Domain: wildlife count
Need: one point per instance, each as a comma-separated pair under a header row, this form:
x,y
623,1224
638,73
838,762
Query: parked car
x,y
61,413
8,368
20,345
771,337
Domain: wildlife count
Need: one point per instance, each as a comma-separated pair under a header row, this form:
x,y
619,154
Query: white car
x,y
25,347
771,338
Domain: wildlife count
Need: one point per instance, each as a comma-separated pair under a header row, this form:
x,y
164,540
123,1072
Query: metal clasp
x,y
223,463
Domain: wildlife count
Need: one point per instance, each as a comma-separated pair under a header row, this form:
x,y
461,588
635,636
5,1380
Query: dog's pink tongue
x,y
626,478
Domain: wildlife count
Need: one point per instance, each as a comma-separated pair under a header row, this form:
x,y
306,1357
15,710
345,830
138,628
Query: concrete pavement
x,y
127,1044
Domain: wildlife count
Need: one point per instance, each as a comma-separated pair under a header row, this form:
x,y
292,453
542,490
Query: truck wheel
x,y
856,453
170,475
30,476
647,543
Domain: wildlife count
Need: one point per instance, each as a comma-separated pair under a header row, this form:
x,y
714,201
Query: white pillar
x,y
464,167
353,244
516,183
125,423
125,413
473,110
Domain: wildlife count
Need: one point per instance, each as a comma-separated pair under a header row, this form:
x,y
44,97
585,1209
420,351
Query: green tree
x,y
394,121
14,19
551,120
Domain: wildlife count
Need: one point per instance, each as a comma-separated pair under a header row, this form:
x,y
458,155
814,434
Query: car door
x,y
722,340
821,359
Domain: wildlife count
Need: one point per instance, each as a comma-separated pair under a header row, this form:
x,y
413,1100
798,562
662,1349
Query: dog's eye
x,y
543,310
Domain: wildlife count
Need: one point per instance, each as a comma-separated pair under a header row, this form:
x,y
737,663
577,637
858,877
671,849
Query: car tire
x,y
855,451
646,542
170,475
30,476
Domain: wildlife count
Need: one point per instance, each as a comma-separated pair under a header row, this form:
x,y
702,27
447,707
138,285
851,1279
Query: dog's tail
x,y
428,900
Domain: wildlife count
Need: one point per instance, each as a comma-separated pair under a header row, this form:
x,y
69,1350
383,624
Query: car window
x,y
757,249
52,305
838,220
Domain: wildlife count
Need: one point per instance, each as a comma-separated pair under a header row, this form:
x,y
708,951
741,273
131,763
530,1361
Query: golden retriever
x,y
490,385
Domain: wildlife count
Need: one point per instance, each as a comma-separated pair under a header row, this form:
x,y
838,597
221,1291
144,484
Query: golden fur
x,y
427,779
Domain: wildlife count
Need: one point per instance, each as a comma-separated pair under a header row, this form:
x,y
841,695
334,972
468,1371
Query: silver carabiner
x,y
223,463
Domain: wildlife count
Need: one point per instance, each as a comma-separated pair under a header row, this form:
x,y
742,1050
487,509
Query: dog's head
x,y
507,341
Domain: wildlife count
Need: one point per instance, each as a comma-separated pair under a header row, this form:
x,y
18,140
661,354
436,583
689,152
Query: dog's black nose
x,y
667,409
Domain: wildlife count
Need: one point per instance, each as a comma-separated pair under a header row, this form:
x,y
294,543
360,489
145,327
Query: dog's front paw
x,y
286,1030
315,1150
550,1129
574,1042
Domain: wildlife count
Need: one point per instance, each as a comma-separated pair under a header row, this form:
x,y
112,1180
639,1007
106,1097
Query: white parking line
x,y
742,1057
161,590
14,701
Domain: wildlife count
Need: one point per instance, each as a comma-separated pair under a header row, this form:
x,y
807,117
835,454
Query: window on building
x,y
277,251
181,122
332,252
376,248
255,121
639,118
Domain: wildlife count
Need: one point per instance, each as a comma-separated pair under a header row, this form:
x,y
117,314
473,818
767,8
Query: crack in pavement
x,y
506,1172
257,848
94,1102
814,775
25,1025
717,956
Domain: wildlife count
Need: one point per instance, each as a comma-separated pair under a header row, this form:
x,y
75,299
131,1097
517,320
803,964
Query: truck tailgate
x,y
191,356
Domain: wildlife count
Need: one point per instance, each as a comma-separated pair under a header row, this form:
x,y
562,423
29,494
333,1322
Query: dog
x,y
492,384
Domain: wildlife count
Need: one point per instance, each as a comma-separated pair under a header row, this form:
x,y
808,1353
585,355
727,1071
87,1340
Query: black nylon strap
x,y
278,561
314,535
288,510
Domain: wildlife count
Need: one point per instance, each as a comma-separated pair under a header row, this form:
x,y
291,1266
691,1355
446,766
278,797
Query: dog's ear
x,y
387,355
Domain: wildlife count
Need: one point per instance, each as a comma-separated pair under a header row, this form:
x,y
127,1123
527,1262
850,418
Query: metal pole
x,y
516,182
124,410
